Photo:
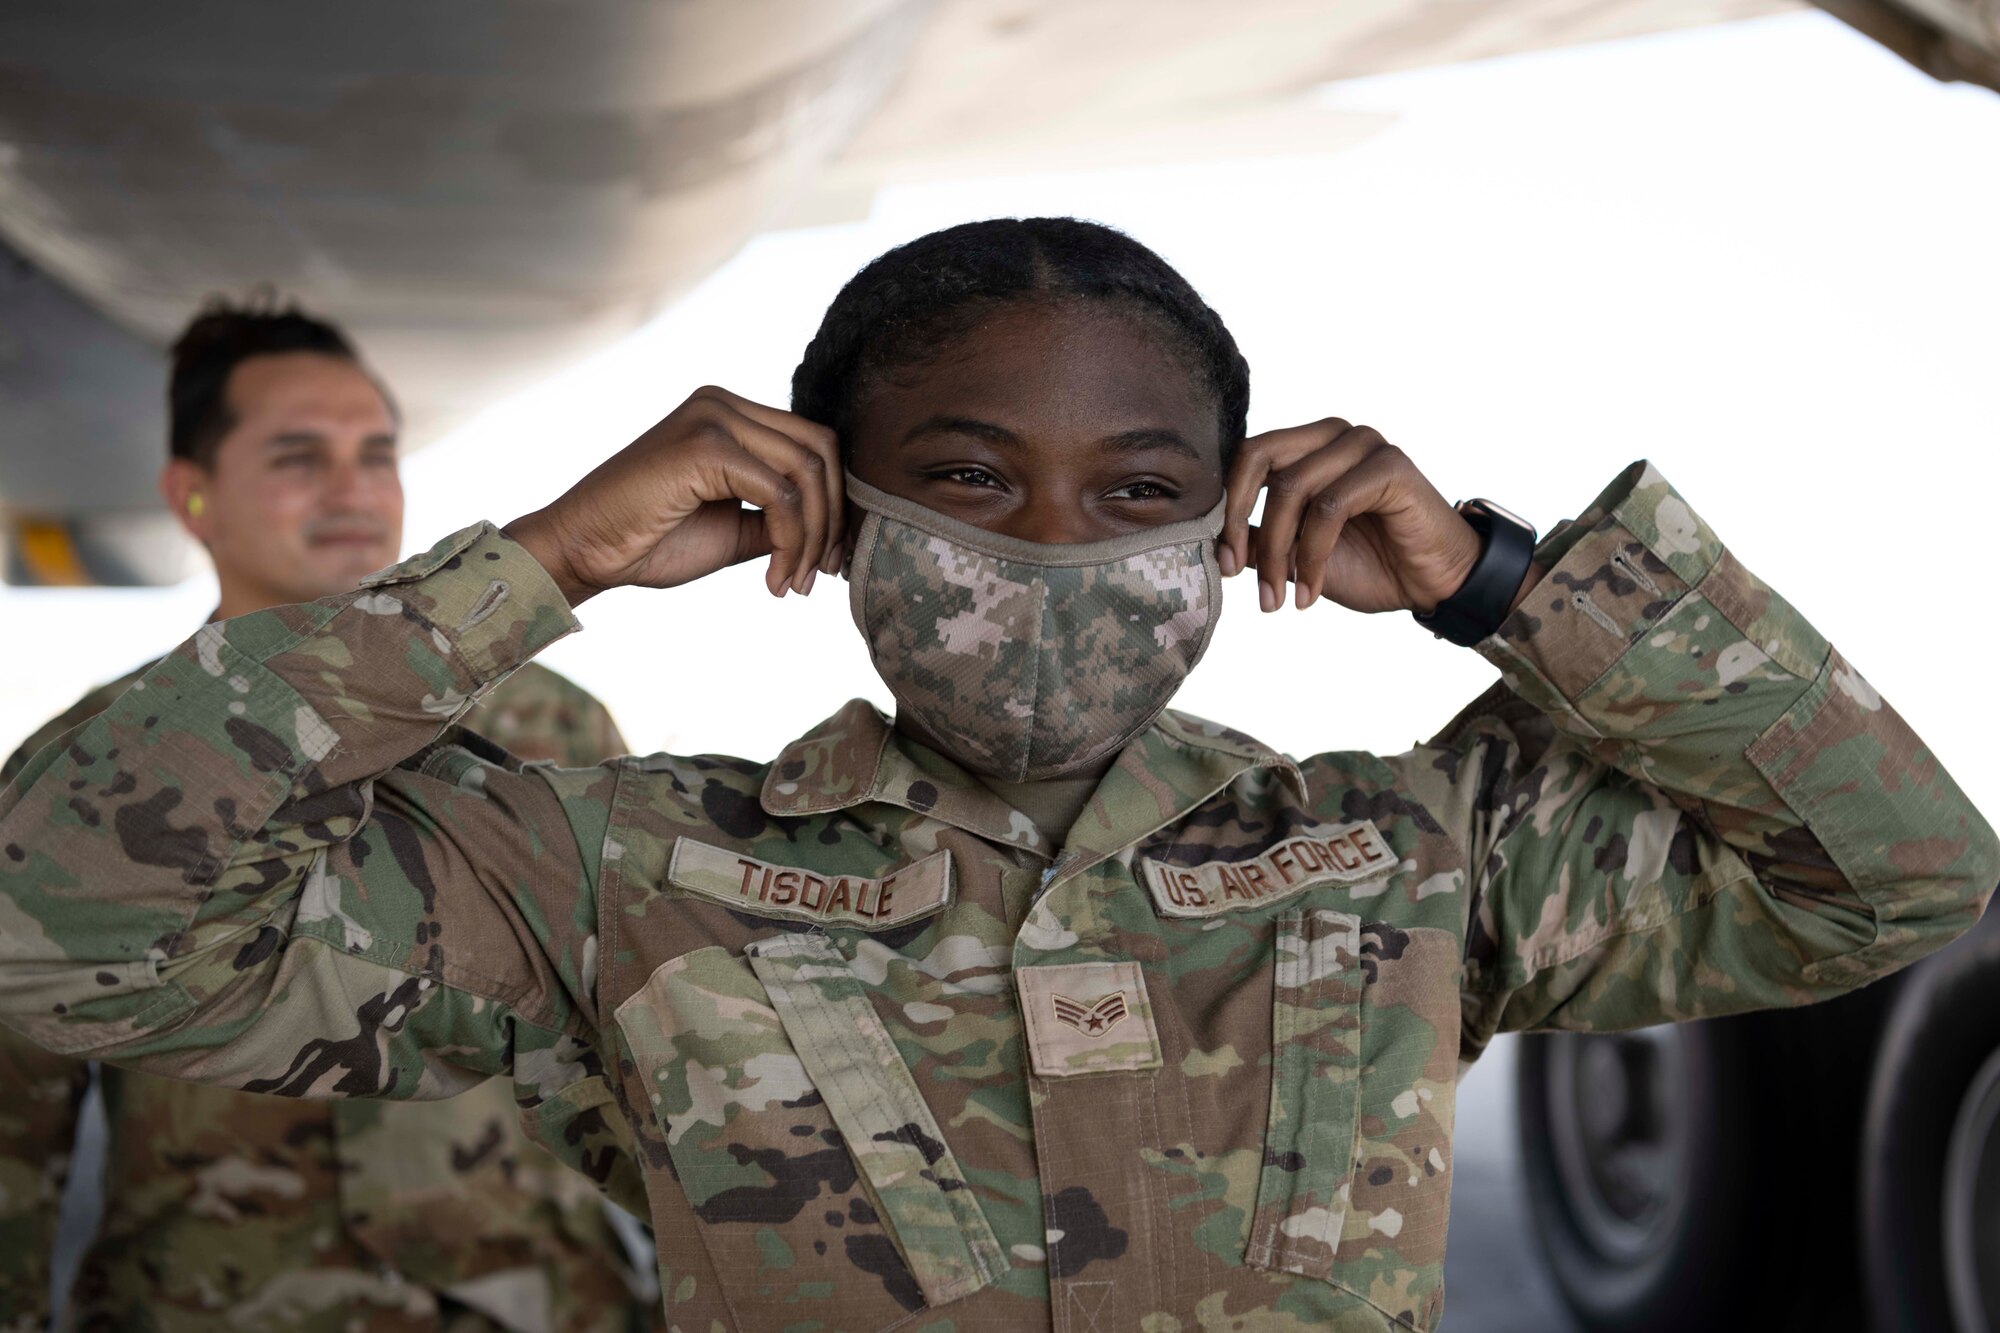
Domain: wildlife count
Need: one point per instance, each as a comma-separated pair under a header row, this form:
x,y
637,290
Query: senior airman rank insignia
x,y
1343,854
1093,1020
1087,1018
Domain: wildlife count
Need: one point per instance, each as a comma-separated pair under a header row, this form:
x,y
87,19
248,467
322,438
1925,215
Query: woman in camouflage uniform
x,y
1036,1006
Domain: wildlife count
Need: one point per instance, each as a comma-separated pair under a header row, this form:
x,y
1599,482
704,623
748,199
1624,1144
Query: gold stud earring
x,y
194,505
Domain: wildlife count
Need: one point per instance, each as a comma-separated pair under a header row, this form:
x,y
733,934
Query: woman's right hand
x,y
670,507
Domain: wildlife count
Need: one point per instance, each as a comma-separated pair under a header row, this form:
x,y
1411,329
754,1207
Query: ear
x,y
181,481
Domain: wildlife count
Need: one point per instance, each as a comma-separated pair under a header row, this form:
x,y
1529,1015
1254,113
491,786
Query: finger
x,y
753,535
1330,501
1289,565
1362,489
738,473
1253,531
1284,501
836,518
806,469
1288,494
1246,478
754,539
826,444
1256,458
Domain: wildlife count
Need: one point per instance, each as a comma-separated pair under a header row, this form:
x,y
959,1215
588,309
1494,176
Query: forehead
x,y
305,388
1053,371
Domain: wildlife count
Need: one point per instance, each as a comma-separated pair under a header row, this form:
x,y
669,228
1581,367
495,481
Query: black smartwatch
x,y
1507,545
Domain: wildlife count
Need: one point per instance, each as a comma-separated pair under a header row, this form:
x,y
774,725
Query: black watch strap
x,y
1487,595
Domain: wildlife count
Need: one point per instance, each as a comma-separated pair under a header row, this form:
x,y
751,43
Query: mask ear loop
x,y
1211,569
860,555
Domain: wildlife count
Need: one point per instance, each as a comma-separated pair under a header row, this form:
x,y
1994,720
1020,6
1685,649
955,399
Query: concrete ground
x,y
1494,1278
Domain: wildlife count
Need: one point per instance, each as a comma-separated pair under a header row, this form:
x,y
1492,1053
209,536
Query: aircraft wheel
x,y
1931,1168
1698,1176
1613,1131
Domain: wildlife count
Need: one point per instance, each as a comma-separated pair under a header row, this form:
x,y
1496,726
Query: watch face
x,y
1499,512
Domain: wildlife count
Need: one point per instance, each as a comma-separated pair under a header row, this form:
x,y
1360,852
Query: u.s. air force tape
x,y
764,888
1342,854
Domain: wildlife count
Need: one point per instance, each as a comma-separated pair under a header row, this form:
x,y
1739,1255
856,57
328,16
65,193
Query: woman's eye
x,y
970,476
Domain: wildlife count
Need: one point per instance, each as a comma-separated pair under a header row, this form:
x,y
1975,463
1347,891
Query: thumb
x,y
753,536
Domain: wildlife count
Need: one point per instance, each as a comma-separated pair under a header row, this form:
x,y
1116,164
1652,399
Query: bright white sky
x,y
1760,254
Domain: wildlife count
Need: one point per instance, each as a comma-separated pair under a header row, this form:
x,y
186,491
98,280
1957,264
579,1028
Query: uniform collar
x,y
857,756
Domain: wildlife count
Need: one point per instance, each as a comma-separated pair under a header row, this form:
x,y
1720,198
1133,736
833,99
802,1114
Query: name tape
x,y
1347,854
793,892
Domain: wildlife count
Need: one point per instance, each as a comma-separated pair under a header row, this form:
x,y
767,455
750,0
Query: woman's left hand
x,y
1349,517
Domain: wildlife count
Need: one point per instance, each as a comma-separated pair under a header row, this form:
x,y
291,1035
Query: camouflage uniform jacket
x,y
888,1059
261,1212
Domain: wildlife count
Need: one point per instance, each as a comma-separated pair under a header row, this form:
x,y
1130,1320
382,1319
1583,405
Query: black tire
x,y
1936,1069
1755,1227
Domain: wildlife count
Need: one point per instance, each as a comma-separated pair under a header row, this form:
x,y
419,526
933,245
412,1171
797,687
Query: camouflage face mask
x,y
1028,660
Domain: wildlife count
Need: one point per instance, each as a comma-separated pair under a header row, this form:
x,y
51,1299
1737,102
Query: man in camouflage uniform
x,y
236,1210
893,1050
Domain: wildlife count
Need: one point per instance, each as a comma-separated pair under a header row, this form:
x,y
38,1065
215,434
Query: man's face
x,y
303,497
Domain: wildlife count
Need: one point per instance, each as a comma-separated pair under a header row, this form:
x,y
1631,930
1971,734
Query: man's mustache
x,y
347,530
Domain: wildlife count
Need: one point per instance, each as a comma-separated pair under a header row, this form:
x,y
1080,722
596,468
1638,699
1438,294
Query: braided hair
x,y
909,305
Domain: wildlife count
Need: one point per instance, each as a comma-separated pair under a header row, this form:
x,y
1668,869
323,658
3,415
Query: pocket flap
x,y
1302,1194
890,1132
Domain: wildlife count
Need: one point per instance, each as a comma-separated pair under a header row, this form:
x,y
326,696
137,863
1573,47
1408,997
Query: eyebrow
x,y
1147,439
1143,440
977,429
296,438
291,438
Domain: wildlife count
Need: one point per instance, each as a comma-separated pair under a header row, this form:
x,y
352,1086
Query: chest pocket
x,y
823,1184
1355,1184
1303,1190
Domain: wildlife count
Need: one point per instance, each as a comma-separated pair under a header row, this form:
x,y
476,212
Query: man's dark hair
x,y
217,340
911,304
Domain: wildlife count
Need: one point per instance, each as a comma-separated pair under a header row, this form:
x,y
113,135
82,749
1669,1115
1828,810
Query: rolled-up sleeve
x,y
1683,801
256,868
